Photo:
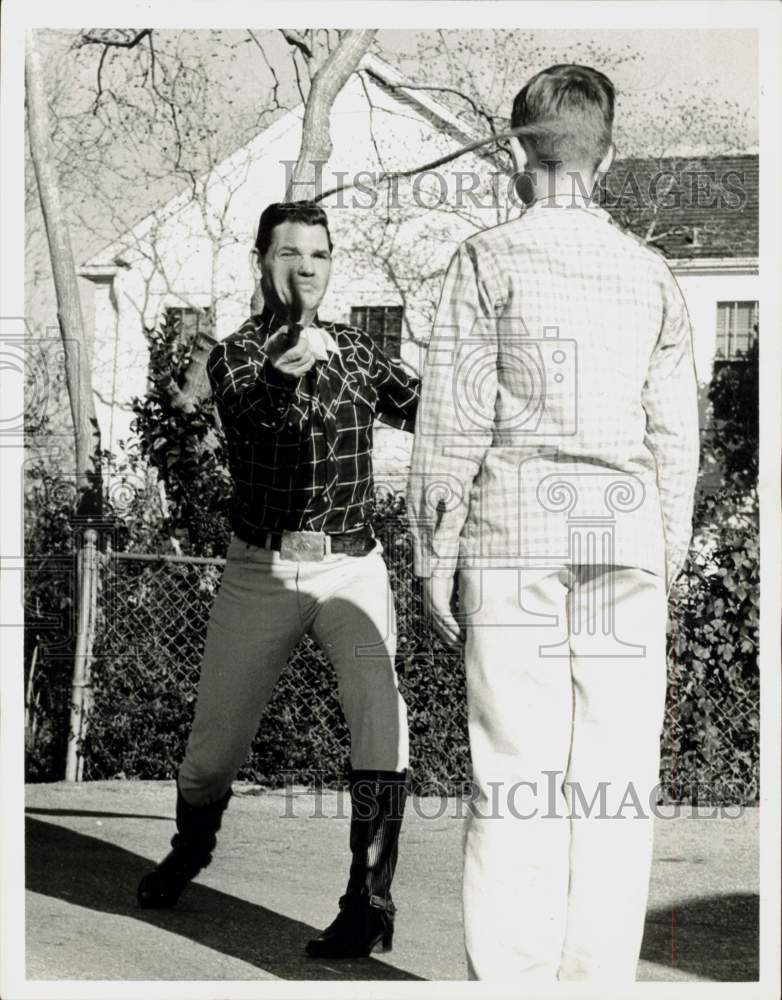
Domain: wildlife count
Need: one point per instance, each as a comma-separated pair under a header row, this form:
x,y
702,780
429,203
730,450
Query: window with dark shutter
x,y
737,329
383,324
191,333
189,322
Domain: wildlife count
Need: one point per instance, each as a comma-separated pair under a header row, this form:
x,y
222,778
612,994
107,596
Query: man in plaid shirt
x,y
297,399
554,463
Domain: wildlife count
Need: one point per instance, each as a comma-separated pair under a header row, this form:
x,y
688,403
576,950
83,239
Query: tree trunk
x,y
327,82
77,360
314,151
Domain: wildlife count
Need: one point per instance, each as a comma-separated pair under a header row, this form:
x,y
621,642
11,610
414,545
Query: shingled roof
x,y
689,207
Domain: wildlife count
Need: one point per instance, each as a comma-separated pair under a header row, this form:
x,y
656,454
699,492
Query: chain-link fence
x,y
150,628
711,748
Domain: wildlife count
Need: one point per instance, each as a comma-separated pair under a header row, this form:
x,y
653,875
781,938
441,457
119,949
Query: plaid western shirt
x,y
558,419
300,449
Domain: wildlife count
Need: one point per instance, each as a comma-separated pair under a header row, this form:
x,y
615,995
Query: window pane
x,y
736,329
204,320
744,322
394,320
383,324
376,324
188,323
392,343
724,311
189,326
173,318
744,313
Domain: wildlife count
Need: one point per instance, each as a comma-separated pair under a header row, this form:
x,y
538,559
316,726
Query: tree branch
x,y
327,82
88,39
108,43
295,62
477,109
269,66
99,94
172,108
295,38
76,349
536,130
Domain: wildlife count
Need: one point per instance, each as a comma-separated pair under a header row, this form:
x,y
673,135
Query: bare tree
x,y
163,88
329,70
476,75
76,353
159,112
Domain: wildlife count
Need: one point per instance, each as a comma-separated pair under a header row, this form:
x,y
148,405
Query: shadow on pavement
x,y
715,937
88,872
34,811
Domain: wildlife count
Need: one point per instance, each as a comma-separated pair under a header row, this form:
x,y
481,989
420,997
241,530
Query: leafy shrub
x,y
733,437
186,447
49,629
714,682
153,618
146,670
713,744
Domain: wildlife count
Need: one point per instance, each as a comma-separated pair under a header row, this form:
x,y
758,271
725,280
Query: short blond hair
x,y
578,102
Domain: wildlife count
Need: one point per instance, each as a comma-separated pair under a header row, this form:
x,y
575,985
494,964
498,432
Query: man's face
x,y
299,253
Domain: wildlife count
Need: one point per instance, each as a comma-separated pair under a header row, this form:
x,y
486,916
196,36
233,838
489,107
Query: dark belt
x,y
312,546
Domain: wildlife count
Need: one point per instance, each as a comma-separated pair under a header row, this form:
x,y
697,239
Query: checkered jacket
x,y
558,419
300,450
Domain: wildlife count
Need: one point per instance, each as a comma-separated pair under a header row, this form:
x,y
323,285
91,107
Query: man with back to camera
x,y
555,462
297,398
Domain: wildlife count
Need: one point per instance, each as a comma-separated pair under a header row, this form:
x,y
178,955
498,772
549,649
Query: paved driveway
x,y
280,867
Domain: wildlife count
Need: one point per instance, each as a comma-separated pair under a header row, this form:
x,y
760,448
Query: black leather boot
x,y
192,845
365,922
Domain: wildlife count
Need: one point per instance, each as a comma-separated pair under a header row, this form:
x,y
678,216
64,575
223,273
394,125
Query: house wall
x,y
385,252
702,292
199,253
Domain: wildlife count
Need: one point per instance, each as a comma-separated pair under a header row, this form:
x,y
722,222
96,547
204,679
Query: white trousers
x,y
566,682
264,606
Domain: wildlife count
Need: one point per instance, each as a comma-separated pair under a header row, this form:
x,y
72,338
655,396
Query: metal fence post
x,y
87,569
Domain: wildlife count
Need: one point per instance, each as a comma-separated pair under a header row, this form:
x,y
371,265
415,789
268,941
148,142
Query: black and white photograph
x,y
391,499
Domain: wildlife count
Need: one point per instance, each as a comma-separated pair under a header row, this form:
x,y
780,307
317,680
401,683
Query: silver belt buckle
x,y
303,546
